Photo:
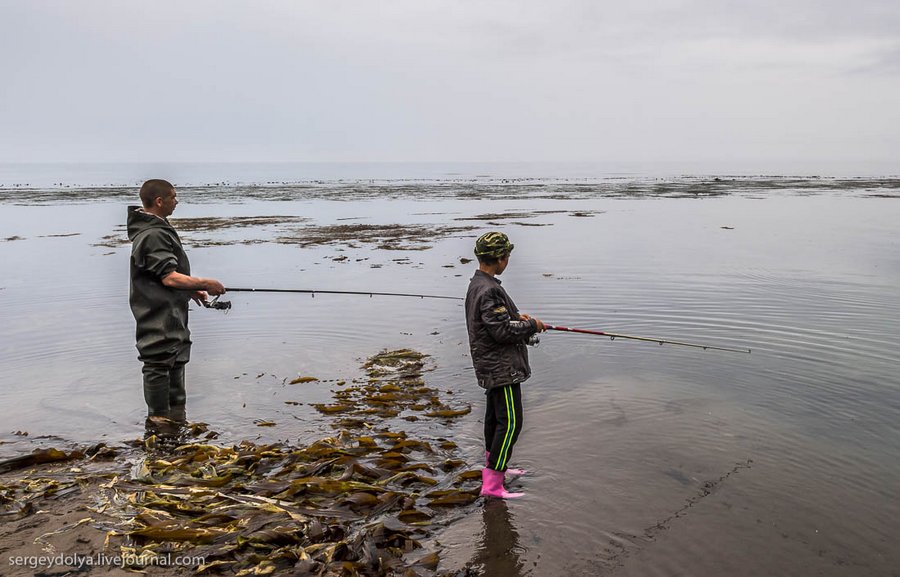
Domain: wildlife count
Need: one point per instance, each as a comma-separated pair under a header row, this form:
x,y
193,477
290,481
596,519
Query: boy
x,y
498,334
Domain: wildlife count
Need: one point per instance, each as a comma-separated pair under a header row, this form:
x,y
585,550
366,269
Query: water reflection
x,y
499,549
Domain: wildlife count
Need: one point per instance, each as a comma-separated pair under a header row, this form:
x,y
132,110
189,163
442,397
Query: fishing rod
x,y
332,292
614,336
226,305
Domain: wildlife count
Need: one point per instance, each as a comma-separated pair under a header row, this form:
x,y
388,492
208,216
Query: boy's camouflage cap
x,y
495,244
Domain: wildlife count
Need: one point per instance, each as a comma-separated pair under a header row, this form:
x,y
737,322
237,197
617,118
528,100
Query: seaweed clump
x,y
395,386
382,236
352,504
192,228
344,505
358,503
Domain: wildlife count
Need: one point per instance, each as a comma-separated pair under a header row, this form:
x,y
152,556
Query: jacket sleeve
x,y
153,253
500,324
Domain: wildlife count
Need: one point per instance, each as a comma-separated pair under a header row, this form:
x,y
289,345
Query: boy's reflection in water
x,y
498,552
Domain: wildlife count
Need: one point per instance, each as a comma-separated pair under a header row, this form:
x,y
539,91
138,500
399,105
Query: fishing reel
x,y
533,340
218,305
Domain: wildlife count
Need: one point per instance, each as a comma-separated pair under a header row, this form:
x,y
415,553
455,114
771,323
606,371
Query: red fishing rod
x,y
614,336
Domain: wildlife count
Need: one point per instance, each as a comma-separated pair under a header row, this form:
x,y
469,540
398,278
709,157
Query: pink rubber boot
x,y
492,485
509,470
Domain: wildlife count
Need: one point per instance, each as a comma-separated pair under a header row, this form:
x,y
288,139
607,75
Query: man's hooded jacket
x,y
161,312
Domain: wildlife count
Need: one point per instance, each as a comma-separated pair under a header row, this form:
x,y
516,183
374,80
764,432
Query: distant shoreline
x,y
64,175
486,187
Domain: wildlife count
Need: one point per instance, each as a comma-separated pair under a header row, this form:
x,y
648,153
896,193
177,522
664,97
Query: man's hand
x,y
199,297
214,287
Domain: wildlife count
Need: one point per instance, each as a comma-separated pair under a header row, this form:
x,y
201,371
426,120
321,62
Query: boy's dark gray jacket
x,y
497,334
161,312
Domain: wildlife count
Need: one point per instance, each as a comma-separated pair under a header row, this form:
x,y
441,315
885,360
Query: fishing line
x,y
614,336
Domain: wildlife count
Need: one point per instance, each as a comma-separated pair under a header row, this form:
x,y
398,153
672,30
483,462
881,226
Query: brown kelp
x,y
361,502
38,457
395,387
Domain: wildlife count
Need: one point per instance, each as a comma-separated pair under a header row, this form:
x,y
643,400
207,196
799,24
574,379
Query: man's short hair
x,y
153,189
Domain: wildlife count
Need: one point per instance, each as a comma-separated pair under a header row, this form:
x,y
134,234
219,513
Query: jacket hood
x,y
139,221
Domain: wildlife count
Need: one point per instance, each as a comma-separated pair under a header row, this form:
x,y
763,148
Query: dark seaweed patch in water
x,y
395,388
352,504
114,240
191,229
510,215
209,223
383,236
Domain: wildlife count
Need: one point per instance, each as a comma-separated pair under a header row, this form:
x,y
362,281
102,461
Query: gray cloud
x,y
460,80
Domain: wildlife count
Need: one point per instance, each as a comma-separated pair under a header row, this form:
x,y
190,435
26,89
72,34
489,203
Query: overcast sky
x,y
461,80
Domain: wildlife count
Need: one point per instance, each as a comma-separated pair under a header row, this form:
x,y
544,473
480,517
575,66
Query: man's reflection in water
x,y
498,553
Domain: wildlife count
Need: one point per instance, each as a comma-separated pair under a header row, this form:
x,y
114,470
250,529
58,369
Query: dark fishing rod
x,y
614,336
331,292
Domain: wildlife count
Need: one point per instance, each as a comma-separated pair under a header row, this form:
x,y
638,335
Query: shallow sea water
x,y
643,459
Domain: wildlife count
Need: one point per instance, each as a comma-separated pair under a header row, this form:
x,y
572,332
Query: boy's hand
x,y
540,325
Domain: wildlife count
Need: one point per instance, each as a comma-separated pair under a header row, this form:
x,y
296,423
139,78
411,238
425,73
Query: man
x,y
498,334
161,286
